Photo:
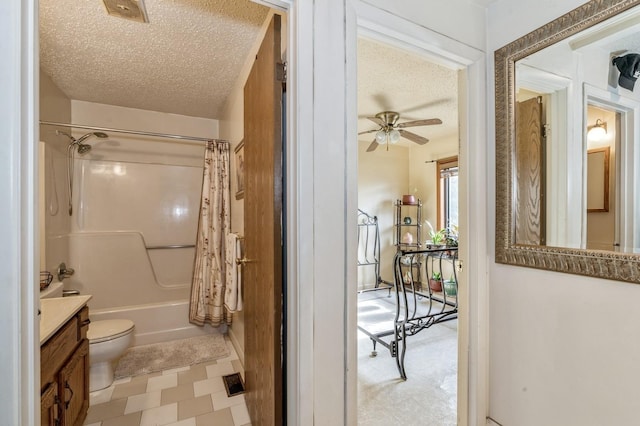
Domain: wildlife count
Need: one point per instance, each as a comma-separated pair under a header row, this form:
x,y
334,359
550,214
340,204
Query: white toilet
x,y
108,340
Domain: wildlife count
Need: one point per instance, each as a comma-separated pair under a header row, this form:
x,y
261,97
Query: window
x,y
447,192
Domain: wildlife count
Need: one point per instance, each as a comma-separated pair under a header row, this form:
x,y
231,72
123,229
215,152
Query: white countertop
x,y
56,311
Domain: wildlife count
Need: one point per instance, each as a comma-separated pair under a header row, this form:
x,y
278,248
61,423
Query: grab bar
x,y
171,246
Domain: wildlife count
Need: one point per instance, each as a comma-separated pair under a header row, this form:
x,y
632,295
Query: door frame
x,y
473,294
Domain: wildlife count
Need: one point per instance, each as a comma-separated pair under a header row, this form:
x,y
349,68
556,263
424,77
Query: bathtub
x,y
155,322
149,287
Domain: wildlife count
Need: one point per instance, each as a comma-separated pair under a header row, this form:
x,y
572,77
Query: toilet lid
x,y
100,331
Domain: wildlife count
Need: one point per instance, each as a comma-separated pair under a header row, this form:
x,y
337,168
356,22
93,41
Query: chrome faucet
x,y
64,272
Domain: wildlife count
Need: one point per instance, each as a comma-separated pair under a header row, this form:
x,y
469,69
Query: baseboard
x,y
236,345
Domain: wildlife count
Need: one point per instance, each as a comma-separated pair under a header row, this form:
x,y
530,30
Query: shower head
x,y
88,135
83,148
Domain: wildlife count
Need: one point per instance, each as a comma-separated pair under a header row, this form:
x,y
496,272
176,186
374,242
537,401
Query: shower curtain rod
x,y
134,132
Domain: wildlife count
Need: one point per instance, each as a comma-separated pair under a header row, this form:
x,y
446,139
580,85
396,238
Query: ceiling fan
x,y
390,130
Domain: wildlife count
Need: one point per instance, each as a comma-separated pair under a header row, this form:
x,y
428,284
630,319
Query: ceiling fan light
x,y
381,136
394,136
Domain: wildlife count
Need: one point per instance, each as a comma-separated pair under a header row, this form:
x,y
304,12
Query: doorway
x,y
417,163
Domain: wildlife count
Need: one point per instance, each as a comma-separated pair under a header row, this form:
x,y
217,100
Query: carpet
x,y
167,355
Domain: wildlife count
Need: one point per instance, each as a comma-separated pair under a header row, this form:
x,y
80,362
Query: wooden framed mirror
x,y
541,195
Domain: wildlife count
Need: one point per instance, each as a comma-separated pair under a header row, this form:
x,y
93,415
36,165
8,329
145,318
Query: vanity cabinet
x,y
64,373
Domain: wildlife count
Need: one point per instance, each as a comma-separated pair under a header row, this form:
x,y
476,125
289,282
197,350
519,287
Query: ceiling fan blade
x,y
376,120
426,122
373,146
413,137
368,131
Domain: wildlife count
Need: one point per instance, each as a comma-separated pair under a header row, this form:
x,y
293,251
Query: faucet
x,y
64,272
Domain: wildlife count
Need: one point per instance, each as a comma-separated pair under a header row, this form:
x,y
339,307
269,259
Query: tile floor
x,y
187,396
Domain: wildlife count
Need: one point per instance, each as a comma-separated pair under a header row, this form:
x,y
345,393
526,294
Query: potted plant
x,y
451,236
450,287
436,238
435,282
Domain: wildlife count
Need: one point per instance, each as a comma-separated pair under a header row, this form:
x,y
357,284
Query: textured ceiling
x,y
189,55
392,79
184,61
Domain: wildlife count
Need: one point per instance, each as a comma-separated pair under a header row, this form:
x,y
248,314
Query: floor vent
x,y
233,384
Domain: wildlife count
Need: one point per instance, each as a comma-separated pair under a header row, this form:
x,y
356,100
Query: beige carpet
x,y
429,395
166,355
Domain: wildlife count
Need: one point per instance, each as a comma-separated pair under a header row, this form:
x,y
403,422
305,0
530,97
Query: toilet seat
x,y
104,330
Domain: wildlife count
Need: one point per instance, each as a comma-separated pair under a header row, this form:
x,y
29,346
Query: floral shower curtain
x,y
207,289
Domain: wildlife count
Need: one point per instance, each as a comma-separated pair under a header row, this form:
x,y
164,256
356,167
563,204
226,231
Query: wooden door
x,y
263,233
530,165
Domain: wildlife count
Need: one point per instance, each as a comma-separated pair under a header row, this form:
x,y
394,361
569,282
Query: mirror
x,y
556,88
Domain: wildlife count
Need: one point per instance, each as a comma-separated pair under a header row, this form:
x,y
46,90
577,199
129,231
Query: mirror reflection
x,y
577,152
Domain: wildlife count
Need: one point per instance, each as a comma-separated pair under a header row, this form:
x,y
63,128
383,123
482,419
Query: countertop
x,y
56,311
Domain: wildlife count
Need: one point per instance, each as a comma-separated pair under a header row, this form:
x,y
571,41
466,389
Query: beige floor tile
x,y
121,380
186,422
194,407
101,396
204,387
162,382
221,400
196,373
162,415
240,414
219,370
129,389
132,419
108,410
142,402
175,394
217,418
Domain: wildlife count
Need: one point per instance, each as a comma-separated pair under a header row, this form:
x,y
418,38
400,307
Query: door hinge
x,y
281,71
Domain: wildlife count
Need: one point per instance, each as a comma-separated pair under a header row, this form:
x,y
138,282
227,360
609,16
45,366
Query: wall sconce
x,y
598,131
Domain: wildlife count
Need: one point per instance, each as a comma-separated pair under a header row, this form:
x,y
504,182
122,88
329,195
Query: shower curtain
x,y
207,289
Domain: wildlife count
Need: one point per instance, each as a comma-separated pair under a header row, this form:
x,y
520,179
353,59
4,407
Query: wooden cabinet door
x,y
74,387
49,407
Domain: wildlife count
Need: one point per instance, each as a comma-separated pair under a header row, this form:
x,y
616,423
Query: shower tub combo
x,y
134,213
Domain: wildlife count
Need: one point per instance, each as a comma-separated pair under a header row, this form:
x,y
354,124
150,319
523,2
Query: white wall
x,y
383,177
457,19
562,347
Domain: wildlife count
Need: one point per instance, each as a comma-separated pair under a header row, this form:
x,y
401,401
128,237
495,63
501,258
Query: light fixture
x,y
598,131
394,136
387,136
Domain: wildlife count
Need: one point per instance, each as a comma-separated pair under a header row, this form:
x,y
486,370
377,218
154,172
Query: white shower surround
x,y
132,192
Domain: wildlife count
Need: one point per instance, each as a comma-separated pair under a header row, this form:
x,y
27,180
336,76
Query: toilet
x,y
108,340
